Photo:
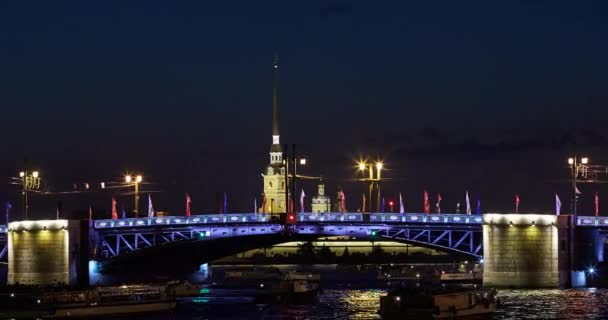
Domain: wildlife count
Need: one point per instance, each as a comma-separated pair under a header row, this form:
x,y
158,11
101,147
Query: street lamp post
x,y
577,167
379,166
30,180
135,181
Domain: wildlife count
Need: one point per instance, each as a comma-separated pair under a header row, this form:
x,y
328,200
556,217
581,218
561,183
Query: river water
x,y
364,304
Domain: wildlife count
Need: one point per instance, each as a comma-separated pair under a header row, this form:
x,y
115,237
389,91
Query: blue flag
x,y
225,203
382,209
478,211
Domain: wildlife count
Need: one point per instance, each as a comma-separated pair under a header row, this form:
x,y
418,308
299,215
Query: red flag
x,y
188,201
597,204
427,205
114,212
90,216
342,201
516,203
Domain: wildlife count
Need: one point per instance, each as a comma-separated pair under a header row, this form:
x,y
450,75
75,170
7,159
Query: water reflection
x,y
364,304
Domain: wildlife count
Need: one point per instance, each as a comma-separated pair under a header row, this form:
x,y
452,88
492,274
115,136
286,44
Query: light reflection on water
x,y
364,304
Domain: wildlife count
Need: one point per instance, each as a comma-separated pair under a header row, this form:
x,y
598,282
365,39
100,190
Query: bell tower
x,y
274,177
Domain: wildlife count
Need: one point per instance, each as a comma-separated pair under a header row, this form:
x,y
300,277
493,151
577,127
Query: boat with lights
x,y
96,302
440,303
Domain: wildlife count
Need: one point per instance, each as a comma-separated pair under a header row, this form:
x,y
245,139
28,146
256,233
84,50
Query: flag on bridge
x,y
427,205
302,196
114,211
597,204
478,210
516,203
123,212
468,202
558,205
225,205
90,217
342,201
382,208
363,204
439,203
263,203
255,205
401,206
150,207
188,202
8,208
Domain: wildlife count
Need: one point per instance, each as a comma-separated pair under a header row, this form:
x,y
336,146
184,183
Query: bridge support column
x,y
521,251
48,252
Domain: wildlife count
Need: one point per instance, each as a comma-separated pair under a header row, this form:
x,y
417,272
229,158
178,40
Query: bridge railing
x,y
237,218
181,220
591,221
391,217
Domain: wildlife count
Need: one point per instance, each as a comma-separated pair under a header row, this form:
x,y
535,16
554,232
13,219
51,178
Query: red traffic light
x,y
290,218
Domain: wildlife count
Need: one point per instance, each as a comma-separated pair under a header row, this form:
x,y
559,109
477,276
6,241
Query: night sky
x,y
452,95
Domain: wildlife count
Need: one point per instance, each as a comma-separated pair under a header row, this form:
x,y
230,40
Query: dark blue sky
x,y
453,94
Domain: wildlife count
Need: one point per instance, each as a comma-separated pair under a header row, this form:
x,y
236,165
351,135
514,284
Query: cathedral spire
x,y
275,98
275,150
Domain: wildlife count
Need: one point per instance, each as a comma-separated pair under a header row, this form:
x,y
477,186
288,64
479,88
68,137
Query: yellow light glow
x,y
379,165
128,179
303,161
585,160
21,174
139,178
35,174
361,166
570,161
38,225
520,219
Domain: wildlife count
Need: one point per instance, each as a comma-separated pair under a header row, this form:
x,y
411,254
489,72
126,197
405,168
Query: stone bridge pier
x,y
538,251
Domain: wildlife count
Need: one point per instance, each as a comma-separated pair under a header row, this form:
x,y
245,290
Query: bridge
x,y
448,232
514,246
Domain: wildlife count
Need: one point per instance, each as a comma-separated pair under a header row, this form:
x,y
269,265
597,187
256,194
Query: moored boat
x,y
91,303
441,303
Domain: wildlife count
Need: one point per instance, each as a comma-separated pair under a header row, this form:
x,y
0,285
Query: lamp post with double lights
x,y
362,166
578,167
134,181
30,180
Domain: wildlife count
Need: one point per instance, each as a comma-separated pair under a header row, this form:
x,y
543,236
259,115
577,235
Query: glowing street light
x,y
29,181
362,166
578,168
135,182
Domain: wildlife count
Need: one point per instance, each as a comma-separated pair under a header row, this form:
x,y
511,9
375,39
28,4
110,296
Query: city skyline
x,y
181,94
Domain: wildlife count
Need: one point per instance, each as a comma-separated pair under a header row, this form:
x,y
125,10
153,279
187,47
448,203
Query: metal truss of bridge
x,y
459,233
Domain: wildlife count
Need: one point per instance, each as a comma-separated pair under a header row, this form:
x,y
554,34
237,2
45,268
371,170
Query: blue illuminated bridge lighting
x,y
248,218
333,217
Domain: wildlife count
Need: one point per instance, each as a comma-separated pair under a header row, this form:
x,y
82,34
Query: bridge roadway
x,y
449,232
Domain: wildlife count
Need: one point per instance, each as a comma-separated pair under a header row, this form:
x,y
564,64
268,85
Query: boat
x,y
184,289
461,277
439,303
295,288
96,302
